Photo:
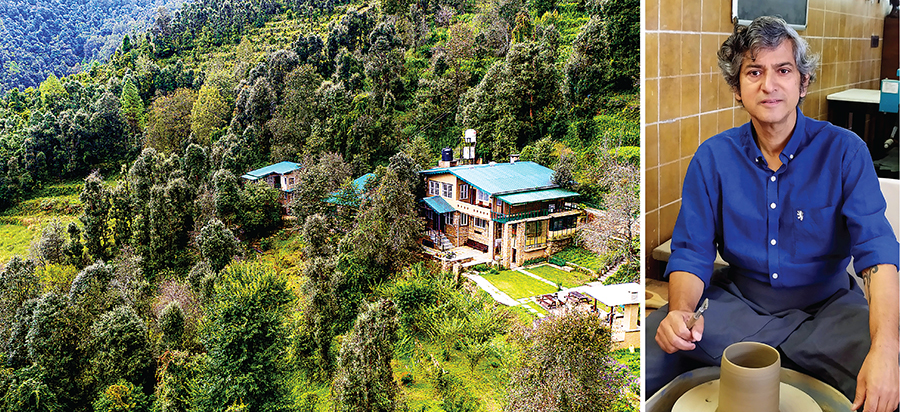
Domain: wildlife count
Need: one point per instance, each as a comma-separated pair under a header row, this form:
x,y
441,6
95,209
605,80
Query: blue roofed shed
x,y
359,187
277,168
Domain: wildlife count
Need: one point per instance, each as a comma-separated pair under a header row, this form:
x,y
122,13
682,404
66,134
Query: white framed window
x,y
480,223
291,181
463,219
463,192
447,190
448,219
434,188
483,196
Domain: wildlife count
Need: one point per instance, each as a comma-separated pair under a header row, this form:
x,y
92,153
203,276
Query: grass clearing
x,y
14,240
582,257
561,277
519,285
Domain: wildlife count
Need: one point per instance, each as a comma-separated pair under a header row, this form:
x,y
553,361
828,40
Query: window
x,y
483,196
434,188
448,219
448,190
463,192
563,223
534,234
463,219
551,207
291,181
480,223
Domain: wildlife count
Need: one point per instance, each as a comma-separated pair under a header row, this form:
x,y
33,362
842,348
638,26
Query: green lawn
x,y
519,285
14,240
22,223
581,257
566,279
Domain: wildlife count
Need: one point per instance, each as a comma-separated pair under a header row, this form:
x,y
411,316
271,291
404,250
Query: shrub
x,y
406,379
31,395
121,348
530,262
171,323
122,397
624,274
176,375
18,283
246,338
217,244
96,276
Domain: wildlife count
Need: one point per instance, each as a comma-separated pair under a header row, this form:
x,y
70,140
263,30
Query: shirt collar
x,y
789,151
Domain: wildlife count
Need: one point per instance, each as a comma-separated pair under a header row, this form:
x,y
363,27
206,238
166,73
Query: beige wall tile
x,y
669,183
652,55
690,95
670,15
709,91
709,126
669,54
690,135
651,144
651,101
651,14
691,15
651,189
667,216
670,98
669,146
690,54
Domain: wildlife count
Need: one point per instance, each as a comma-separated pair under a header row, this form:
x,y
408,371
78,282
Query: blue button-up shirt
x,y
796,226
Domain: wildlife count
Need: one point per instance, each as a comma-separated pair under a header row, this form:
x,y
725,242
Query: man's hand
x,y
878,383
673,334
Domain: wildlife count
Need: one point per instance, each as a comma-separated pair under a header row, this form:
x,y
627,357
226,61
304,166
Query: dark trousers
x,y
826,338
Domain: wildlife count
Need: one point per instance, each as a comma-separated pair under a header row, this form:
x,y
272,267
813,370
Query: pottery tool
x,y
696,315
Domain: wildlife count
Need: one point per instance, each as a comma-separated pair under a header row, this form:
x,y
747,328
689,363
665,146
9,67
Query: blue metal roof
x,y
438,204
280,168
536,196
503,178
359,186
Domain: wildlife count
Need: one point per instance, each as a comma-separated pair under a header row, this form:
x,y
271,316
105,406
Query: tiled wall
x,y
686,100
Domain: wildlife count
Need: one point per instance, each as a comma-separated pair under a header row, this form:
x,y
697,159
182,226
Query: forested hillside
x,y
63,37
164,283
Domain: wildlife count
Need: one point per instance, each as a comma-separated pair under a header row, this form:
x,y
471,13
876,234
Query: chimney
x,y
513,158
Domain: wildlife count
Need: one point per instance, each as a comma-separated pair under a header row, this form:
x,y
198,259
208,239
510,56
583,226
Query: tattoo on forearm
x,y
867,277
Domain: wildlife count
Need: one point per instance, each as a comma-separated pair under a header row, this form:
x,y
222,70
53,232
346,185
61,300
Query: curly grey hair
x,y
765,33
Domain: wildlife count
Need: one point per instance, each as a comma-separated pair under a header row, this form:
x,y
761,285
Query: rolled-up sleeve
x,y
872,240
693,239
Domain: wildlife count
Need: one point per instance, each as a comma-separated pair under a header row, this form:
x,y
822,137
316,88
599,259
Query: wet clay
x,y
750,381
750,378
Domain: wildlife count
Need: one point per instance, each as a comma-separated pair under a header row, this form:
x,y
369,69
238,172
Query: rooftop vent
x,y
513,158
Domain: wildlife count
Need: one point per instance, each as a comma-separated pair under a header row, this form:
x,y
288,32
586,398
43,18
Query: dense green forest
x,y
160,282
65,37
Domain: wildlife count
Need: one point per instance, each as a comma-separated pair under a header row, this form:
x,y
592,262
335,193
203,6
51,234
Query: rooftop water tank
x,y
446,154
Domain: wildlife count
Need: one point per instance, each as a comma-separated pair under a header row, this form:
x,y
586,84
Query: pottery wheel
x,y
705,398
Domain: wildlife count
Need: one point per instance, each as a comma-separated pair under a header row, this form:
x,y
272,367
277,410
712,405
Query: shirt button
x,y
772,178
791,156
773,242
772,205
774,276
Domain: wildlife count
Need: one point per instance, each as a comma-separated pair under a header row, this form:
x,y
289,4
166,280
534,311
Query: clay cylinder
x,y
750,378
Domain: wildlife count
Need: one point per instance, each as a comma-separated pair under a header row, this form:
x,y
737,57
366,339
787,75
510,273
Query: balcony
x,y
504,218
